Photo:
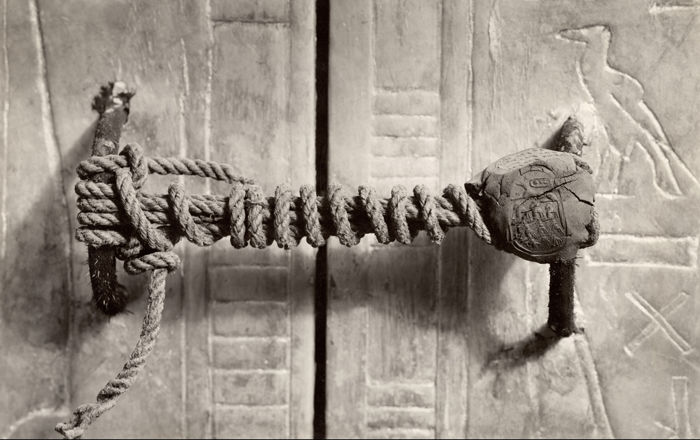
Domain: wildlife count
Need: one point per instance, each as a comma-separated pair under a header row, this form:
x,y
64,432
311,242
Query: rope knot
x,y
148,246
76,426
152,261
137,164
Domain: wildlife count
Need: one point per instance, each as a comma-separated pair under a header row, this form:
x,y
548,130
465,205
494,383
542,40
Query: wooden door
x,y
421,340
226,81
431,341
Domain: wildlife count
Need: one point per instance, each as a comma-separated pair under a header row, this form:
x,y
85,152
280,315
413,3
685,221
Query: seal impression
x,y
537,203
537,224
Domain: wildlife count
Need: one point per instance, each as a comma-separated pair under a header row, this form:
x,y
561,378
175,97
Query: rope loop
x,y
137,164
312,223
343,229
375,212
184,219
397,213
152,261
427,209
137,218
237,215
283,201
468,211
254,207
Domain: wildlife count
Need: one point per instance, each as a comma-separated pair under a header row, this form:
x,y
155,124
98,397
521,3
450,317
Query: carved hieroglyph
x,y
638,285
629,122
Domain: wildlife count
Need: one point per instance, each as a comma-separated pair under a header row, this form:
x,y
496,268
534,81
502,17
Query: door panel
x,y
428,341
422,340
34,235
394,331
226,81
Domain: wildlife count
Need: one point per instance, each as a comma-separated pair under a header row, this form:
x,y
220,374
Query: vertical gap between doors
x,y
321,281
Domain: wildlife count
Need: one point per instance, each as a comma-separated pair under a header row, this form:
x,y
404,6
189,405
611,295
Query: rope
x,y
84,415
247,216
145,227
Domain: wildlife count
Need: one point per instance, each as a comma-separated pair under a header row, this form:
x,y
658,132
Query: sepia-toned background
x,y
419,340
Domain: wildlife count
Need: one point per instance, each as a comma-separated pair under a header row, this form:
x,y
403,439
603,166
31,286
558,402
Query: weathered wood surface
x,y
219,80
429,342
423,340
35,234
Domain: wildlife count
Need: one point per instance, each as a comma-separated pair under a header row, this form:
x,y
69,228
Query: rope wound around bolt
x,y
537,204
141,224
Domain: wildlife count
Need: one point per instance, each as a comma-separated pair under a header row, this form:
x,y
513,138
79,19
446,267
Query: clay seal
x,y
537,203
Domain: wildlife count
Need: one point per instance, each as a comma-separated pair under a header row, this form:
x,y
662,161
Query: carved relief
x,y
645,251
659,321
680,409
629,122
250,343
405,139
405,410
512,70
673,5
256,345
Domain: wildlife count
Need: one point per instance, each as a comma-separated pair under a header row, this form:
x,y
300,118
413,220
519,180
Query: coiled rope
x,y
145,227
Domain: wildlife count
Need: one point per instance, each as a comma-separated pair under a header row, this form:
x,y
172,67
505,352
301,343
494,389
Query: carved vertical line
x,y
207,94
470,165
475,10
183,150
590,372
290,351
373,14
207,156
289,80
210,358
5,128
55,168
470,162
439,266
53,151
530,380
50,140
679,391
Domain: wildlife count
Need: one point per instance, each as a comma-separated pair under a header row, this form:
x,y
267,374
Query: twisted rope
x,y
84,415
145,227
249,217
